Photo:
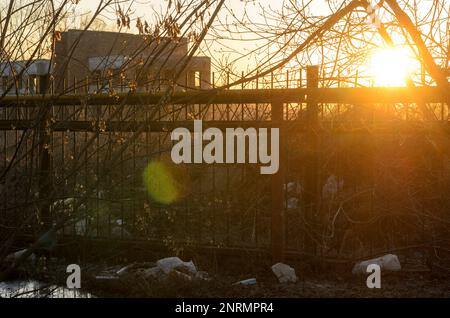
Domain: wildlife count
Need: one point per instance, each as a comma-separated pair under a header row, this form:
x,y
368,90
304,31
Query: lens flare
x,y
165,182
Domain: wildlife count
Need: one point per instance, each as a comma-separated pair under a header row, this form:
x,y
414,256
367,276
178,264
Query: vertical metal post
x,y
44,173
278,215
311,182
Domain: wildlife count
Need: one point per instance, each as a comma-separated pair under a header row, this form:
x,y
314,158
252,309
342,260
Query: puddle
x,y
36,289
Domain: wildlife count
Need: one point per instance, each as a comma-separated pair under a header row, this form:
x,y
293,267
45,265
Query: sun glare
x,y
390,67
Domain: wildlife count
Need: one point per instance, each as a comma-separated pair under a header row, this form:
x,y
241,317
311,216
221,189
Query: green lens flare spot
x,y
160,183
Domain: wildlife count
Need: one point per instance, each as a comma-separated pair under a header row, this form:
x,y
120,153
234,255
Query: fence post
x,y
44,172
277,217
311,182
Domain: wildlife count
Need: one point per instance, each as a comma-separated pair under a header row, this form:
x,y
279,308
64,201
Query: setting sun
x,y
390,67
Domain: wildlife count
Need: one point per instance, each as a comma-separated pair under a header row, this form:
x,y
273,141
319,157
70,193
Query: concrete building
x,y
18,78
103,60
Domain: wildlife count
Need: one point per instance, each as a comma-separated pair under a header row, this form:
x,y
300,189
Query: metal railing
x,y
361,169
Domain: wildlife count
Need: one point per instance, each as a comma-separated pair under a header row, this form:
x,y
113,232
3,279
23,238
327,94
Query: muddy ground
x,y
312,282
399,285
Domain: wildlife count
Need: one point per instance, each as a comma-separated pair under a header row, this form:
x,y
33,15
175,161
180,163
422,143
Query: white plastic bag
x,y
388,262
169,264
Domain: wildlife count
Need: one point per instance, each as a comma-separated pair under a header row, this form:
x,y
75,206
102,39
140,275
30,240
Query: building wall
x,y
101,59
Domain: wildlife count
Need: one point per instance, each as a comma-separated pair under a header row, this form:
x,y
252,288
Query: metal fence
x,y
362,170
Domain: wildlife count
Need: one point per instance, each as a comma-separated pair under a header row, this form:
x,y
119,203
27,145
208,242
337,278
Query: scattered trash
x,y
182,271
13,257
169,264
182,275
293,192
331,188
387,262
123,270
162,269
154,272
292,203
284,273
293,187
140,268
250,281
106,277
135,266
202,275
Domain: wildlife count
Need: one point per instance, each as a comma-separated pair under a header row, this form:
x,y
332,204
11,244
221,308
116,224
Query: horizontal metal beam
x,y
127,126
166,126
247,96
